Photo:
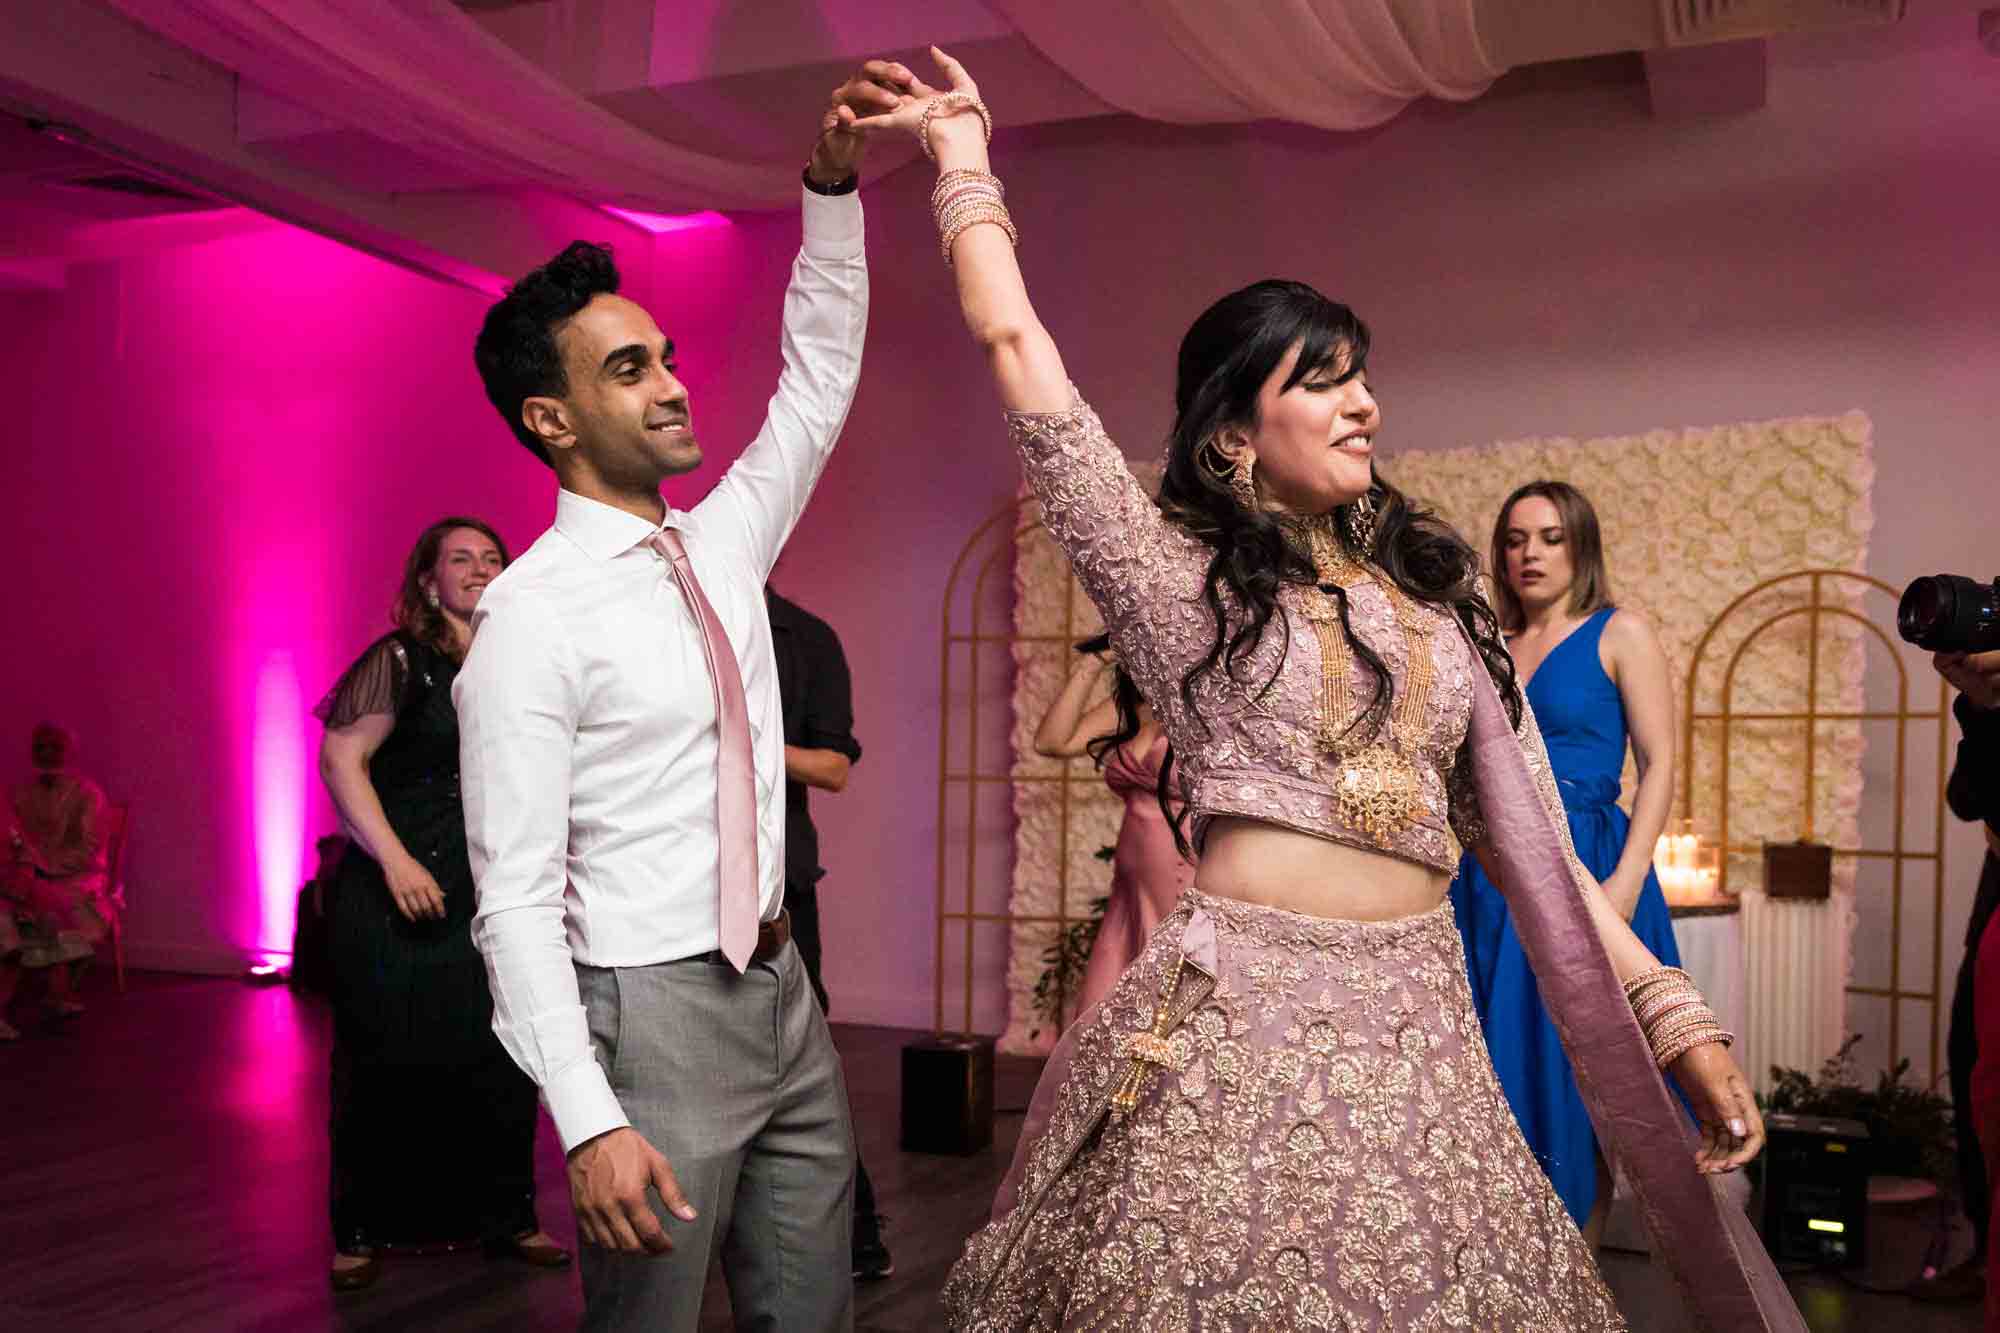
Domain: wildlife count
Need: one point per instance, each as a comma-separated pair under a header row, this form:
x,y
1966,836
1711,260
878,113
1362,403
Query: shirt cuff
x,y
832,224
582,1104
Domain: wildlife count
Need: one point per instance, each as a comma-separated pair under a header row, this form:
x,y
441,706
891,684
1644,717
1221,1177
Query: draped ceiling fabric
x,y
1332,64
424,75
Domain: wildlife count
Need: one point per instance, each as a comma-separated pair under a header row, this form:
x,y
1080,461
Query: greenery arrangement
x,y
1063,962
1910,1129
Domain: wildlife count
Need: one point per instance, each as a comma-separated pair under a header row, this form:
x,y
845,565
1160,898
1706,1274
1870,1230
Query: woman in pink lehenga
x,y
1283,1115
1148,872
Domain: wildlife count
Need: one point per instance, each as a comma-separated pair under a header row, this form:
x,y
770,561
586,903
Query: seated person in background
x,y
55,890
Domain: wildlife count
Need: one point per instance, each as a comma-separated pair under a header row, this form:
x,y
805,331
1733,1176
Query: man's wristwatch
x,y
845,185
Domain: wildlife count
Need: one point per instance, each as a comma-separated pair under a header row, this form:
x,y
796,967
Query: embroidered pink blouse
x,y
1246,750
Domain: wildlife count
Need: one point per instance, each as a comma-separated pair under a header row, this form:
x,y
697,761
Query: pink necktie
x,y
736,777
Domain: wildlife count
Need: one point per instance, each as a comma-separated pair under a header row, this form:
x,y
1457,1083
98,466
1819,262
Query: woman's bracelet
x,y
1672,1014
950,102
966,198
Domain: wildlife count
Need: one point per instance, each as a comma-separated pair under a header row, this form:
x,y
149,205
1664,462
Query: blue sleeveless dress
x,y
1583,722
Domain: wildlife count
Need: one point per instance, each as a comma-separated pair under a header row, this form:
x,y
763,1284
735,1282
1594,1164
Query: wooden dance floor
x,y
165,1165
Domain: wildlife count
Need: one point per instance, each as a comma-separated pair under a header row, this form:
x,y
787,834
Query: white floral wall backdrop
x,y
1692,519
1064,815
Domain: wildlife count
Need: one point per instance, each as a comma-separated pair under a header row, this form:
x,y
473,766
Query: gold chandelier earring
x,y
431,595
1241,482
1361,524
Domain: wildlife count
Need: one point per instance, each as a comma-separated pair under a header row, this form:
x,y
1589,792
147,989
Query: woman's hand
x,y
1732,1131
417,894
909,114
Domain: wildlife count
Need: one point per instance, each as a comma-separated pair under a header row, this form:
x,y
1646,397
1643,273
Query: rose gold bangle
x,y
1675,1006
956,174
1654,975
1681,1047
997,216
1658,998
949,102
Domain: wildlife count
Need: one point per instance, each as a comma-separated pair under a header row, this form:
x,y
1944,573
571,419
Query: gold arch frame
x,y
1008,519
1898,853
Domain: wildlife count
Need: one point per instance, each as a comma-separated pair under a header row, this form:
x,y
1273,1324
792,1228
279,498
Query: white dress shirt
x,y
587,716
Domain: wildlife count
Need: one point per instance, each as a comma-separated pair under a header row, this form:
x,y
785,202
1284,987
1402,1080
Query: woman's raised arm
x,y
992,296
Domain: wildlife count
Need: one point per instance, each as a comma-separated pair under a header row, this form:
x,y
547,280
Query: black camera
x,y
1949,613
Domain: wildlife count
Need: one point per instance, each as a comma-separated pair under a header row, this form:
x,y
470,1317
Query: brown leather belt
x,y
772,937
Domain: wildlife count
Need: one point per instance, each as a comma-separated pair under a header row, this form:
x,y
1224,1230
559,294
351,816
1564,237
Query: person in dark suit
x,y
1973,793
818,700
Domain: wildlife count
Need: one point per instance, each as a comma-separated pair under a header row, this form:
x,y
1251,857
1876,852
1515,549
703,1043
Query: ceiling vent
x,y
1692,22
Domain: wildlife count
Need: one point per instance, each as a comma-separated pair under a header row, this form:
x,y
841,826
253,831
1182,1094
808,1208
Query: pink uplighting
x,y
278,785
660,224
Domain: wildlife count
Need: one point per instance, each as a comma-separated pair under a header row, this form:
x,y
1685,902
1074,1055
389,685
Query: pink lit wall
x,y
230,447
227,451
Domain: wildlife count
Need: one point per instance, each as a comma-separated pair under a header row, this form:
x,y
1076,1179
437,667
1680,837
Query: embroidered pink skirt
x,y
1318,1143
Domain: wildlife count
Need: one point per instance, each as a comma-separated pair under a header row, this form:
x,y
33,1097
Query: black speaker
x,y
948,1095
1816,1189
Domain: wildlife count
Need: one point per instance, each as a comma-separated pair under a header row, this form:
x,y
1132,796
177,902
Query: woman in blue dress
x,y
1596,676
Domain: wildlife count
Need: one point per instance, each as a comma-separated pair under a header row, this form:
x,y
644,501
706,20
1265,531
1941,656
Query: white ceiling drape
x,y
1333,64
425,75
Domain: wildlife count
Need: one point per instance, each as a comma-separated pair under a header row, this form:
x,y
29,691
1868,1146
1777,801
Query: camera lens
x,y
1948,613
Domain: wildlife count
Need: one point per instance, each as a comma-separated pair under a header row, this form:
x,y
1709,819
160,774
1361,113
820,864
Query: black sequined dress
x,y
432,1123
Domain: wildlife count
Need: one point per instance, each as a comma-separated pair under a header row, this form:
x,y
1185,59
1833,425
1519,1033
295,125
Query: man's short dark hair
x,y
516,352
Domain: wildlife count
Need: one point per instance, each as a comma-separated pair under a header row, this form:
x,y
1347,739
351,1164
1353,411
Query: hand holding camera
x,y
1975,675
1958,619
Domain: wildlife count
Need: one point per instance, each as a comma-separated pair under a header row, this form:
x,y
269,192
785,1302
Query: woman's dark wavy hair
x,y
516,351
413,612
1225,358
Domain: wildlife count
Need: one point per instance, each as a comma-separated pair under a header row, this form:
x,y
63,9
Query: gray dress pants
x,y
736,1081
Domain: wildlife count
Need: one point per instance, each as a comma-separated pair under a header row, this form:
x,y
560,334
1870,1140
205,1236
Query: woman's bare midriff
x,y
1273,866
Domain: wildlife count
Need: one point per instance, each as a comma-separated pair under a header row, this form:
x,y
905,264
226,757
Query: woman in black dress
x,y
432,1125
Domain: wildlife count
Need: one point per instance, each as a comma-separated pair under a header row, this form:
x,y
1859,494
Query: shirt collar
x,y
602,531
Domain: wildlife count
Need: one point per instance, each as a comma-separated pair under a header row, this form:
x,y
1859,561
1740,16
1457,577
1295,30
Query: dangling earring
x,y
1361,524
1240,483
431,596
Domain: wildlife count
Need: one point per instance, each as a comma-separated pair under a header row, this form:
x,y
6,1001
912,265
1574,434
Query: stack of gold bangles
x,y
1672,1014
965,198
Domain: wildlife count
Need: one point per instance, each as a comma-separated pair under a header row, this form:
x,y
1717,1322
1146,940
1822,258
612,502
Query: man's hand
x,y
877,87
1975,675
608,1179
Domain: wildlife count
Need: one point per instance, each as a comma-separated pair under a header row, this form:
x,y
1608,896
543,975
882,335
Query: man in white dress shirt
x,y
691,1078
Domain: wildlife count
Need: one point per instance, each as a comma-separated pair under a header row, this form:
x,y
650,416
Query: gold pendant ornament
x,y
1380,788
1379,793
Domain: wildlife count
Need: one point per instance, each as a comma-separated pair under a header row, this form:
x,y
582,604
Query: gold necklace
x,y
1379,790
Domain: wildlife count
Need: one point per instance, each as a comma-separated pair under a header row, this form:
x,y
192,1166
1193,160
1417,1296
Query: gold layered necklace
x,y
1379,790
